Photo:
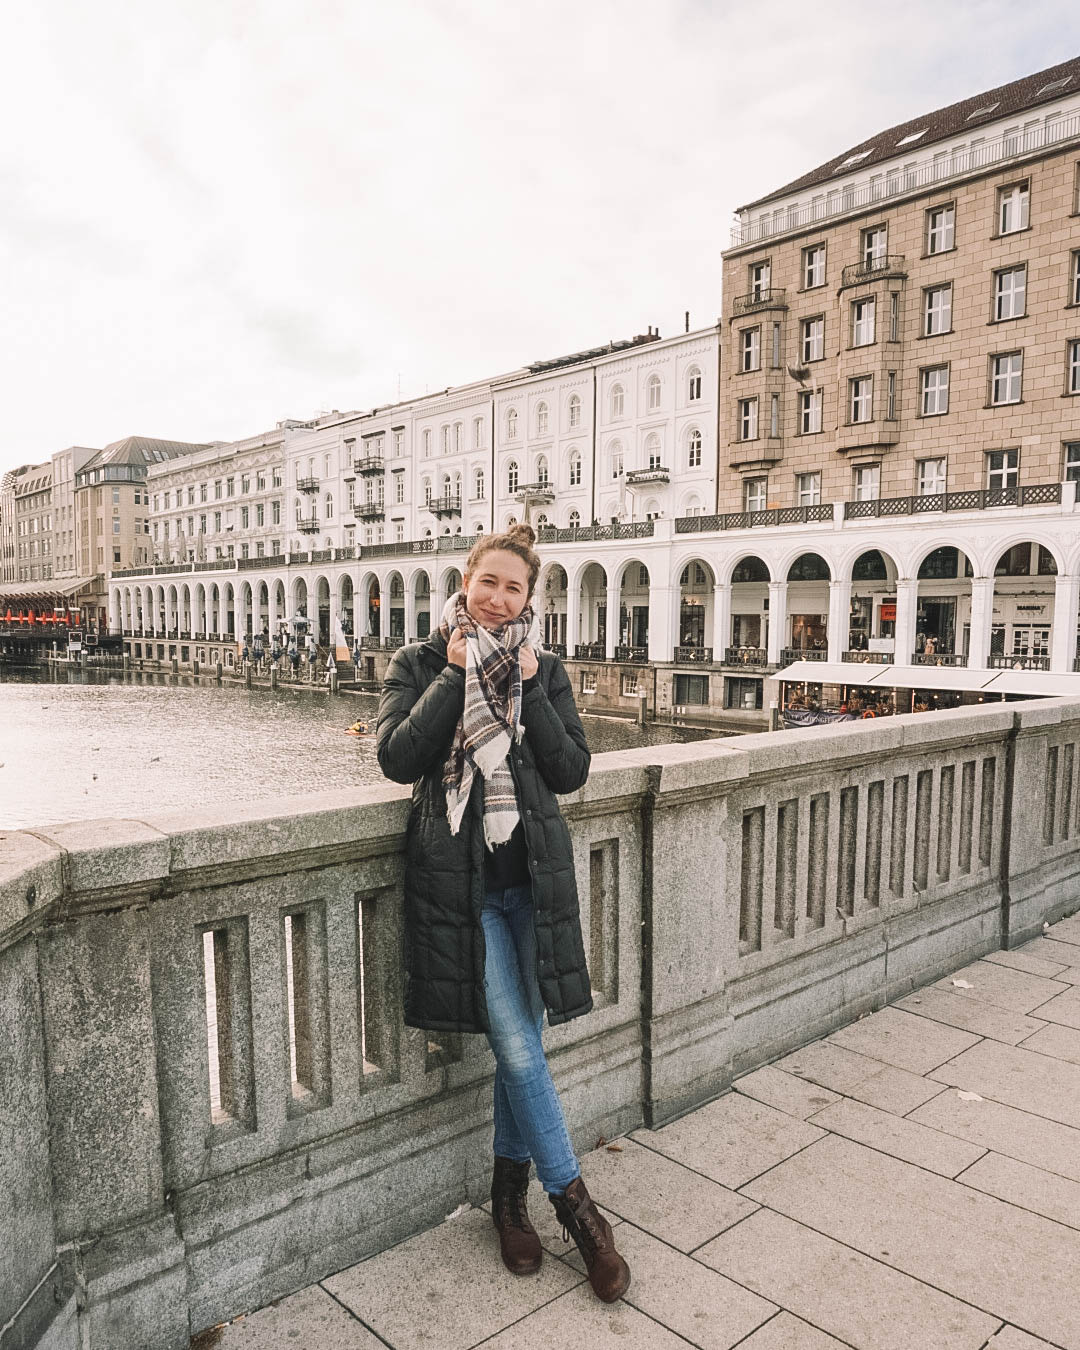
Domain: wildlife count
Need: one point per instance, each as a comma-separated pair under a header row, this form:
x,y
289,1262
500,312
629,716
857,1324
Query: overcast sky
x,y
218,214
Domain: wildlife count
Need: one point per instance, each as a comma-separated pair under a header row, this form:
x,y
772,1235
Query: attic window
x,y
909,140
855,159
982,112
1055,84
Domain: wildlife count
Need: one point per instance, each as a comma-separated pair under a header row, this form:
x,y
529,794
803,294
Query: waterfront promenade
x,y
910,1182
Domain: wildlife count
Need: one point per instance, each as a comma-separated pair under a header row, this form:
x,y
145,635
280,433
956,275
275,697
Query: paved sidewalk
x,y
912,1182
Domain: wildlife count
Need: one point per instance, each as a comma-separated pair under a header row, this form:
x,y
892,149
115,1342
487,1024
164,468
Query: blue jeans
x,y
529,1121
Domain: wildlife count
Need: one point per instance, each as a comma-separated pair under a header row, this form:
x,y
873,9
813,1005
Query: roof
x,y
1006,100
142,450
592,353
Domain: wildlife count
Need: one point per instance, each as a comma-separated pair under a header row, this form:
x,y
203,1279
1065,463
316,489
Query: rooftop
x,y
142,450
1032,91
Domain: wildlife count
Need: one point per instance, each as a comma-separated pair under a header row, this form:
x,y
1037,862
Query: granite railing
x,y
207,1094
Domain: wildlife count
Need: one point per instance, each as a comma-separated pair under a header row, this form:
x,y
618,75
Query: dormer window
x,y
911,138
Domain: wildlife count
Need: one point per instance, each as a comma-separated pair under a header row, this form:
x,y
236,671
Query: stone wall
x,y
738,899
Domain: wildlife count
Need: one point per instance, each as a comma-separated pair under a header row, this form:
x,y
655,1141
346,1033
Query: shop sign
x,y
888,611
1031,609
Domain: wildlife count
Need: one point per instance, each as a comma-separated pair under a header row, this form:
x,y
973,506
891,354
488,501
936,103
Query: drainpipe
x,y
719,355
592,489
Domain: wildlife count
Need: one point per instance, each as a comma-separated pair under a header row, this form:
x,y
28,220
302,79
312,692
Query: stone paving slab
x,y
446,1287
1063,1008
1029,1187
895,1090
906,1139
1007,1130
786,1332
903,1039
970,1014
844,1292
1057,952
830,1065
1036,1083
785,1091
731,1140
989,1254
1029,958
1012,1338
309,1318
1057,1041
580,1319
1001,986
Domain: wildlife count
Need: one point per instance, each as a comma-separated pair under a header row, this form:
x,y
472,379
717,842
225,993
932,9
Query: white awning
x,y
933,677
35,590
1042,683
827,672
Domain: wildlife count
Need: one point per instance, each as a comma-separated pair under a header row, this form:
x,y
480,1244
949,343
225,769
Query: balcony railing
x,y
369,510
772,297
447,505
541,493
590,651
898,181
887,265
1014,662
938,659
367,464
860,656
755,658
634,529
971,499
631,653
308,525
639,477
747,520
791,654
559,648
307,485
370,642
391,644
693,656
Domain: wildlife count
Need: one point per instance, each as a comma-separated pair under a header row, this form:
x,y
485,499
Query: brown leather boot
x,y
608,1273
520,1247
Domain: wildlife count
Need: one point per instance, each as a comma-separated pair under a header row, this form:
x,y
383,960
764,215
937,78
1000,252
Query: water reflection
x,y
81,745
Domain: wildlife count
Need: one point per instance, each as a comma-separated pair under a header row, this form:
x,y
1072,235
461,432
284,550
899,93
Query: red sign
x,y
888,611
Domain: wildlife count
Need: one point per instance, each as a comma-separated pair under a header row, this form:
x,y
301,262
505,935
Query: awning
x,y
932,677
1044,683
827,672
45,590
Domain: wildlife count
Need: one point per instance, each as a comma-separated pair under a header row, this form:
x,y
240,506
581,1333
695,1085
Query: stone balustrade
x,y
208,1095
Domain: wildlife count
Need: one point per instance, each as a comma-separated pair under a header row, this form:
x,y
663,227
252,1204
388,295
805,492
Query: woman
x,y
484,726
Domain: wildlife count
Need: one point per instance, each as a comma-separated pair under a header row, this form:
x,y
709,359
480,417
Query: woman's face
x,y
498,590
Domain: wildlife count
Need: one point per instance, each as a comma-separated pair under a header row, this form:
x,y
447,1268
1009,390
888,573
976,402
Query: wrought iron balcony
x,y
971,499
771,297
1014,662
391,644
447,505
790,654
370,642
693,656
859,656
938,659
558,648
543,494
308,525
637,477
757,658
887,265
631,653
590,651
307,485
369,510
368,464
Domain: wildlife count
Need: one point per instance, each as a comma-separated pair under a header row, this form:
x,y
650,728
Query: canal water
x,y
82,745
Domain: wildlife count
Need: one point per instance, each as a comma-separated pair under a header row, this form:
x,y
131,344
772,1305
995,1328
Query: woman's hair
x,y
518,540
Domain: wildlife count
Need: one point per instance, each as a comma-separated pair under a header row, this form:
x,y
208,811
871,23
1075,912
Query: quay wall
x,y
739,898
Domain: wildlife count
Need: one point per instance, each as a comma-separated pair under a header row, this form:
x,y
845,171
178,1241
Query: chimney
x,y
687,329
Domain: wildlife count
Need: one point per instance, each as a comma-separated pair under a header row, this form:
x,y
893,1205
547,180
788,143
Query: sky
x,y
219,214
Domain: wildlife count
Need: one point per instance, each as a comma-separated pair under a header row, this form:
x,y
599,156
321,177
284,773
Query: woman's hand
x,y
530,663
455,649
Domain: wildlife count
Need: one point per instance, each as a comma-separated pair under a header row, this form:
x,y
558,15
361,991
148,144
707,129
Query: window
x,y
588,681
399,437
937,310
575,519
542,470
867,482
930,476
934,391
875,243
217,487
693,449
425,442
1072,383
1002,468
511,424
1010,293
541,419
275,513
861,398
748,408
230,487
328,507
894,316
276,478
1074,291
862,322
738,692
940,229
755,494
652,393
426,488
809,412
575,410
890,396
750,349
759,279
444,436
1013,206
245,483
459,437
479,485
693,383
774,414
776,346
575,469
202,524
1006,375
652,452
116,527
812,345
512,477
617,460
217,520
1072,461
813,266
617,401
808,489
260,514
245,517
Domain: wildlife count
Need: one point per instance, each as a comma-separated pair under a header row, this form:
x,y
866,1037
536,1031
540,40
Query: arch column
x,y
384,596
839,618
357,610
1063,634
573,615
271,609
719,638
170,612
777,620
410,609
907,608
661,644
982,618
222,628
611,636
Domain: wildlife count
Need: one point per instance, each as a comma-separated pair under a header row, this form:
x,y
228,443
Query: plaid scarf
x,y
492,715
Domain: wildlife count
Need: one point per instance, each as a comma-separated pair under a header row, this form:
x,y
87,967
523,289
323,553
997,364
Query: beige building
x,y
65,465
32,518
905,319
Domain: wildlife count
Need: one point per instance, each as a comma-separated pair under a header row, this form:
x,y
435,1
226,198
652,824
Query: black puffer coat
x,y
421,702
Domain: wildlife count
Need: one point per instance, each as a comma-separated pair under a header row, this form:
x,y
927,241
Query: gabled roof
x,y
958,119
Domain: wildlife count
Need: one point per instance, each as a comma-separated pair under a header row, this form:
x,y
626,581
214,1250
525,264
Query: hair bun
x,y
523,532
